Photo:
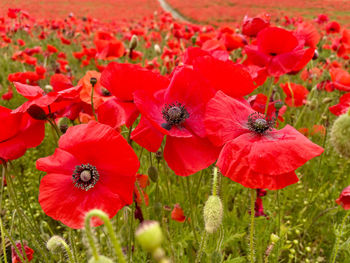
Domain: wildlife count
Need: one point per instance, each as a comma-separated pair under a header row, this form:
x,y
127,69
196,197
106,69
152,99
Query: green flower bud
x,y
213,212
54,243
48,88
101,259
149,235
274,238
340,135
133,42
153,173
63,125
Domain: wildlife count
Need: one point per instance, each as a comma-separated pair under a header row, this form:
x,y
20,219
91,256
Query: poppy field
x,y
129,136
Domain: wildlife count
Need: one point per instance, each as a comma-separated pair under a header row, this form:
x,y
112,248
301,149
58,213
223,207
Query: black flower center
x,y
259,124
174,114
273,54
85,176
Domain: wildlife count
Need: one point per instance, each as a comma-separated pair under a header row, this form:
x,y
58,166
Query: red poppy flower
x,y
344,198
8,95
177,113
296,94
122,80
51,49
108,47
308,32
41,105
252,26
226,76
26,249
340,79
95,167
254,153
22,132
333,27
277,49
178,214
342,107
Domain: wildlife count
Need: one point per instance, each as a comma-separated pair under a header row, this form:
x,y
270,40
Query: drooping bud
x,y
157,49
133,42
213,212
63,125
153,173
48,88
101,259
54,243
340,135
149,235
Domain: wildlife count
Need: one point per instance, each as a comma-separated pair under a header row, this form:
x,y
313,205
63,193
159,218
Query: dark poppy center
x,y
174,114
258,124
85,176
273,54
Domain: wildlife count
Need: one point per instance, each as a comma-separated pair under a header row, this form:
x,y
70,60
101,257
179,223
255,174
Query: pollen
x,y
85,176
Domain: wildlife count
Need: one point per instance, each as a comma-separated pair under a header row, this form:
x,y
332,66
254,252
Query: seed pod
x,y
153,173
213,212
340,135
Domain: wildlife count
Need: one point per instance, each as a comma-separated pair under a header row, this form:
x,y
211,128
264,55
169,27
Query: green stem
x,y
278,224
252,218
304,108
3,241
104,217
92,101
131,228
215,181
191,208
201,247
269,95
337,242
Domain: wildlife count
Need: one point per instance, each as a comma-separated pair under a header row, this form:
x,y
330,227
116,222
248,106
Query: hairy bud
x,y
149,235
133,42
340,135
213,212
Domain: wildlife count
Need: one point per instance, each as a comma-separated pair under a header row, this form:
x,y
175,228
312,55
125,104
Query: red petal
x,y
225,118
147,136
186,156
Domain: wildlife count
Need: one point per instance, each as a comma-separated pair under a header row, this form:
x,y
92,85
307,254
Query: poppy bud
x,y
101,259
149,235
63,125
133,42
340,135
326,100
36,112
274,238
157,49
193,40
54,243
153,173
159,156
213,214
93,81
48,88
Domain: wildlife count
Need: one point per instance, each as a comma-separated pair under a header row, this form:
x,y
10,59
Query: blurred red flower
x,y
344,198
22,132
296,94
26,249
